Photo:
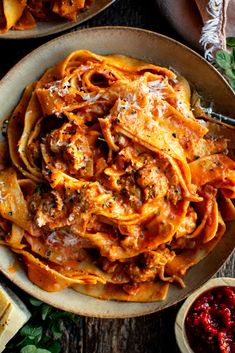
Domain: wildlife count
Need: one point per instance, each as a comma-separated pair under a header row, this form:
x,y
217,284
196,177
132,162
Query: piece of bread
x,y
13,315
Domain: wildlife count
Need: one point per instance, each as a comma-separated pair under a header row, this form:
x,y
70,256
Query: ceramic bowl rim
x,y
107,28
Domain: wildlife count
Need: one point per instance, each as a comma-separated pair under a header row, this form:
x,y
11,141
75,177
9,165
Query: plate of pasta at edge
x,y
116,192
37,18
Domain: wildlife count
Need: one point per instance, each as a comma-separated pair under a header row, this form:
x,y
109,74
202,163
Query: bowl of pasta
x,y
32,18
115,190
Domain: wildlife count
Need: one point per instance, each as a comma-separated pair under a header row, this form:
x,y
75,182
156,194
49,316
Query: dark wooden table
x,y
149,334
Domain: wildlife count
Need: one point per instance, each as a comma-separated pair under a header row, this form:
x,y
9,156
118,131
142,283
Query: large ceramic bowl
x,y
150,47
47,28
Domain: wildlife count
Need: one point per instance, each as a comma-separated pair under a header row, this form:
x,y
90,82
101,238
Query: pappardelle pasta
x,y
112,186
23,14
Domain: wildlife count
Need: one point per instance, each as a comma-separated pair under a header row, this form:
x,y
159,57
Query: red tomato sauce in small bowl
x,y
210,321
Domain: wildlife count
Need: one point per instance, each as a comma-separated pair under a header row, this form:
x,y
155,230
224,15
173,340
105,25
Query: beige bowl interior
x,y
150,47
47,28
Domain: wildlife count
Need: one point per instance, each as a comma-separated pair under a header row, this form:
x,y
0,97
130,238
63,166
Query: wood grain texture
x,y
149,334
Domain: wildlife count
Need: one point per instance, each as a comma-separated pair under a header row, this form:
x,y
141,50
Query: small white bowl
x,y
180,332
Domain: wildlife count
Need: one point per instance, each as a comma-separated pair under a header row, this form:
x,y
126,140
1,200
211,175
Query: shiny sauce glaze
x,y
210,322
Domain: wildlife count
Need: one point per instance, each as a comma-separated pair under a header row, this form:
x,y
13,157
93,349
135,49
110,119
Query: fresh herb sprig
x,y
43,332
225,59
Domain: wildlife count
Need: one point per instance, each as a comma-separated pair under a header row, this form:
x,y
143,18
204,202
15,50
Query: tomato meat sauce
x,y
210,322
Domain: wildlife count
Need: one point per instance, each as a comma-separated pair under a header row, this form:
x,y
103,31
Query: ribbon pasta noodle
x,y
23,14
113,186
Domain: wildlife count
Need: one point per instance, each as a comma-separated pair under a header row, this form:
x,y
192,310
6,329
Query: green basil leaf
x,y
37,339
55,347
46,309
29,349
26,330
45,339
230,41
223,59
35,302
25,342
43,332
55,329
36,331
230,73
31,332
59,315
233,56
22,342
232,83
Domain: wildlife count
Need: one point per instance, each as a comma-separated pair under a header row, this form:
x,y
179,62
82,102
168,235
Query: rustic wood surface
x,y
153,333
